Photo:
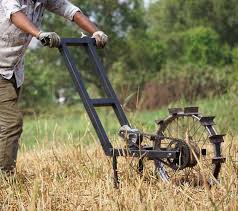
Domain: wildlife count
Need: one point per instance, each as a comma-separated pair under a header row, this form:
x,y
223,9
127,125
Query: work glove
x,y
101,39
50,39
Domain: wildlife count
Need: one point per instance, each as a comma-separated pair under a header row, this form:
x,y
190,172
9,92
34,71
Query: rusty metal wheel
x,y
194,136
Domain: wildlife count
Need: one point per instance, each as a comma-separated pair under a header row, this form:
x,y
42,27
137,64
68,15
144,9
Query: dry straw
x,y
67,177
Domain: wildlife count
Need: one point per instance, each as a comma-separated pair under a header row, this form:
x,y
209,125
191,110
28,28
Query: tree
x,y
202,46
196,29
169,16
116,18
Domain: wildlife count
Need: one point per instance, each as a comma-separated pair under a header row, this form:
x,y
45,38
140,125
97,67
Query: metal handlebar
x,y
71,41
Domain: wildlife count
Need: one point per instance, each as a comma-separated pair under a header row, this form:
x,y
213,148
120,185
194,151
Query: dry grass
x,y
71,178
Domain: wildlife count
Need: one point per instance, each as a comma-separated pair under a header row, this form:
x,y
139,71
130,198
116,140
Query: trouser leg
x,y
11,122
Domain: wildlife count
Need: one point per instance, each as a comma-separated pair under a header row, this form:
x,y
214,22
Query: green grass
x,y
71,124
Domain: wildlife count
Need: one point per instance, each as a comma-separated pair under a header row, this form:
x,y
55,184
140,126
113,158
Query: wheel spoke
x,y
189,129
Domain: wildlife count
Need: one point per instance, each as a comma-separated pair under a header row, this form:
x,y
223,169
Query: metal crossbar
x,y
162,157
110,101
89,103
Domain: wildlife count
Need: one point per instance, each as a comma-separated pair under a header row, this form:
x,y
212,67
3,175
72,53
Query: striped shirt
x,y
13,41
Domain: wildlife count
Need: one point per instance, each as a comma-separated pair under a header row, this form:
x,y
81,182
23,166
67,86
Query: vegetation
x,y
144,42
172,54
66,168
61,166
68,177
65,124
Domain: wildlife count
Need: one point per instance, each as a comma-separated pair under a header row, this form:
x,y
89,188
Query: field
x,y
61,166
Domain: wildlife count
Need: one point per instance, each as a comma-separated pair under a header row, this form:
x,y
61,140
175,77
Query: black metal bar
x,y
107,85
115,172
89,43
112,101
103,102
106,145
151,154
175,111
191,110
77,41
141,166
219,160
207,120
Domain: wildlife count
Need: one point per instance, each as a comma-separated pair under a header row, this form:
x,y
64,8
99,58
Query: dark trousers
x,y
11,122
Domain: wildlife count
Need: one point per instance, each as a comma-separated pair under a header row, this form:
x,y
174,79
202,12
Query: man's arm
x,y
83,22
69,11
66,9
21,21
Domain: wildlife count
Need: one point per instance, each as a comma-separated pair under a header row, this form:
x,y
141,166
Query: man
x,y
19,22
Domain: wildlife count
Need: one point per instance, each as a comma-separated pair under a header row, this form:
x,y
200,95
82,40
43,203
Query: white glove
x,y
50,39
101,39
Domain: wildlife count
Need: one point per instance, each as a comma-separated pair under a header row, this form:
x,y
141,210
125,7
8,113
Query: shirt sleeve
x,y
63,8
10,7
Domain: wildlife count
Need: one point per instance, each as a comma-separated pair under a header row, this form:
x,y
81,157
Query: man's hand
x,y
88,26
101,39
50,39
21,21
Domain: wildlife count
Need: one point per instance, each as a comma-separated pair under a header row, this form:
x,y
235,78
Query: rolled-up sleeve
x,y
63,8
10,7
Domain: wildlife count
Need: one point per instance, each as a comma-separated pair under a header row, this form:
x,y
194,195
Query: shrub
x,y
186,81
234,54
202,46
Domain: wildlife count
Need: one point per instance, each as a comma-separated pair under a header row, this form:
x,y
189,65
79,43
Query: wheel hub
x,y
187,155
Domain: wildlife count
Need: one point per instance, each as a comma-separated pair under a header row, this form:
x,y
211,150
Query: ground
x,y
61,166
68,177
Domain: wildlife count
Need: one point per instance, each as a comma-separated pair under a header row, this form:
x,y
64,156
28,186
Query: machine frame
x,y
112,101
